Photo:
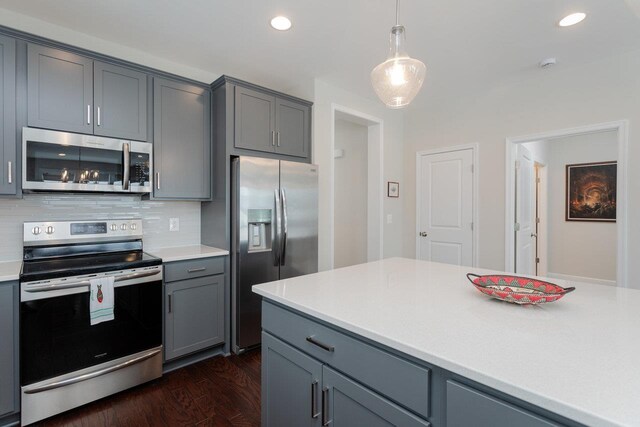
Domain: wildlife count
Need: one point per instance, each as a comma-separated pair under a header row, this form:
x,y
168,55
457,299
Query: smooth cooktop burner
x,y
33,270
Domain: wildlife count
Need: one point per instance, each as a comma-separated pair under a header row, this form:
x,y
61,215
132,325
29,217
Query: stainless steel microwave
x,y
61,161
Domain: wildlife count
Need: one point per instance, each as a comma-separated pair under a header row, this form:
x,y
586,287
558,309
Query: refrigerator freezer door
x,y
299,193
255,242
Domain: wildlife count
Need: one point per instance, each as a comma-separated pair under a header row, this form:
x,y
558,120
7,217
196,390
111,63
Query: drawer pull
x,y
195,270
320,344
314,400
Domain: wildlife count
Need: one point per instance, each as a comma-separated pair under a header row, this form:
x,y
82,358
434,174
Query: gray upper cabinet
x,y
267,122
182,141
255,120
8,347
59,90
292,127
120,98
72,93
8,141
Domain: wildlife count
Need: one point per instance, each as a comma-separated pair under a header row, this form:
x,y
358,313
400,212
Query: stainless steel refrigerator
x,y
274,211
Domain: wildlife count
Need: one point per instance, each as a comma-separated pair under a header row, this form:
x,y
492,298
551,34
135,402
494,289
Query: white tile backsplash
x,y
62,207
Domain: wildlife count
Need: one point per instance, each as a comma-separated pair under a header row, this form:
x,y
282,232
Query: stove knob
x,y
133,226
123,227
50,229
36,230
114,227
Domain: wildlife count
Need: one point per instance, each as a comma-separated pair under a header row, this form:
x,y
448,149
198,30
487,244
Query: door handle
x,y
276,244
127,164
325,406
285,227
98,119
10,172
273,138
423,234
157,180
278,138
169,304
320,344
89,114
314,400
534,235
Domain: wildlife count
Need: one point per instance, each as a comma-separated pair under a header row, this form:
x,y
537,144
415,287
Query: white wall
x,y
350,194
324,96
563,97
584,249
62,207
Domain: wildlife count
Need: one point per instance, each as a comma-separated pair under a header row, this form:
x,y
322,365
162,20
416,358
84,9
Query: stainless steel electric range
x,y
64,361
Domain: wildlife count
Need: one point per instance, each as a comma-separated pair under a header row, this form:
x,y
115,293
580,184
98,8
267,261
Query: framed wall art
x,y
591,192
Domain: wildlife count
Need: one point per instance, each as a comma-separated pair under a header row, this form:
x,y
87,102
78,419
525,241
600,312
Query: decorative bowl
x,y
518,290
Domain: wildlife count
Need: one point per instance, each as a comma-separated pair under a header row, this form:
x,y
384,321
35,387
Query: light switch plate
x,y
174,224
389,218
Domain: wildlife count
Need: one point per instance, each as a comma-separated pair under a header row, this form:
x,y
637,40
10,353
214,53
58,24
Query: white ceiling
x,y
468,45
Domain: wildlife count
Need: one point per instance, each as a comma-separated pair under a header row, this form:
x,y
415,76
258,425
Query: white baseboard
x,y
582,279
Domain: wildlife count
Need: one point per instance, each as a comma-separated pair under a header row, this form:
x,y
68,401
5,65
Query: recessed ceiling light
x,y
572,19
281,23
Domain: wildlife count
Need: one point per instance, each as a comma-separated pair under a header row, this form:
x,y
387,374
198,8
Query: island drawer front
x,y
399,380
467,406
181,270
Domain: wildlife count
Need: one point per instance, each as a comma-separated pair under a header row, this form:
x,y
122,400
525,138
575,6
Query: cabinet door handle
x,y
278,138
314,400
320,344
98,120
325,406
273,138
10,172
195,270
89,114
157,180
169,303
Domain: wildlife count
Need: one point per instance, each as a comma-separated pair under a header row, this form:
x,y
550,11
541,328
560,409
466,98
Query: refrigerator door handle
x,y
276,244
283,243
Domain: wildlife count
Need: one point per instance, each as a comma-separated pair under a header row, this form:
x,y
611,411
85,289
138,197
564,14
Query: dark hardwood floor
x,y
223,391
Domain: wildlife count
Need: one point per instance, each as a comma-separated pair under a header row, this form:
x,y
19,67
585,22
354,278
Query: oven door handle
x,y
45,288
91,375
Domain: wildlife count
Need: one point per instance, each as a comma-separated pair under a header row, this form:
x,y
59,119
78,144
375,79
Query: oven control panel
x,y
60,231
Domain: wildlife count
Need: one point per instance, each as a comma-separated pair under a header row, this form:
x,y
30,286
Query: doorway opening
x,y
566,204
357,188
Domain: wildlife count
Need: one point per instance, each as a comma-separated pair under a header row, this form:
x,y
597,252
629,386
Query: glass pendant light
x,y
398,79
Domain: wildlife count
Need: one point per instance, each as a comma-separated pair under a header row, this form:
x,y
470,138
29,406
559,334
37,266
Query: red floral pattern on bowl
x,y
518,290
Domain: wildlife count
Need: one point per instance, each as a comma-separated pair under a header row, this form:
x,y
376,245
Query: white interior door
x,y
525,212
445,201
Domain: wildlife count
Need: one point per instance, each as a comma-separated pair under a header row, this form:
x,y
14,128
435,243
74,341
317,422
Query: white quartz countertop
x,y
578,357
10,270
180,253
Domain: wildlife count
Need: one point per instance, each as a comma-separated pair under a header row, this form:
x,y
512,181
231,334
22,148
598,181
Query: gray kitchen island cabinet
x,y
182,141
194,306
8,143
8,347
74,93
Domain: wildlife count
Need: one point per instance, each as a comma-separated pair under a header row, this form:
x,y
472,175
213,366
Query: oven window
x,y
56,337
72,164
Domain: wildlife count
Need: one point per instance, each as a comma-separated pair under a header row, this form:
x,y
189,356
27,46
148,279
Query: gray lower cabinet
x,y
8,347
8,141
73,93
291,384
59,90
299,390
194,315
120,98
182,141
467,406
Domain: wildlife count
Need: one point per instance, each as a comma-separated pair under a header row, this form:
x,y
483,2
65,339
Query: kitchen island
x,y
410,342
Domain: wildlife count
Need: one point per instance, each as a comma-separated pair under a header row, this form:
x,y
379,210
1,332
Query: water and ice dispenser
x,y
260,232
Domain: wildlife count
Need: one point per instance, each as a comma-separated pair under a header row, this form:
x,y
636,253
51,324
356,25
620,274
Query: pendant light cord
x,y
397,11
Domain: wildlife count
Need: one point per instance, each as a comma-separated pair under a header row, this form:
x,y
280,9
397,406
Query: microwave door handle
x,y
127,161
